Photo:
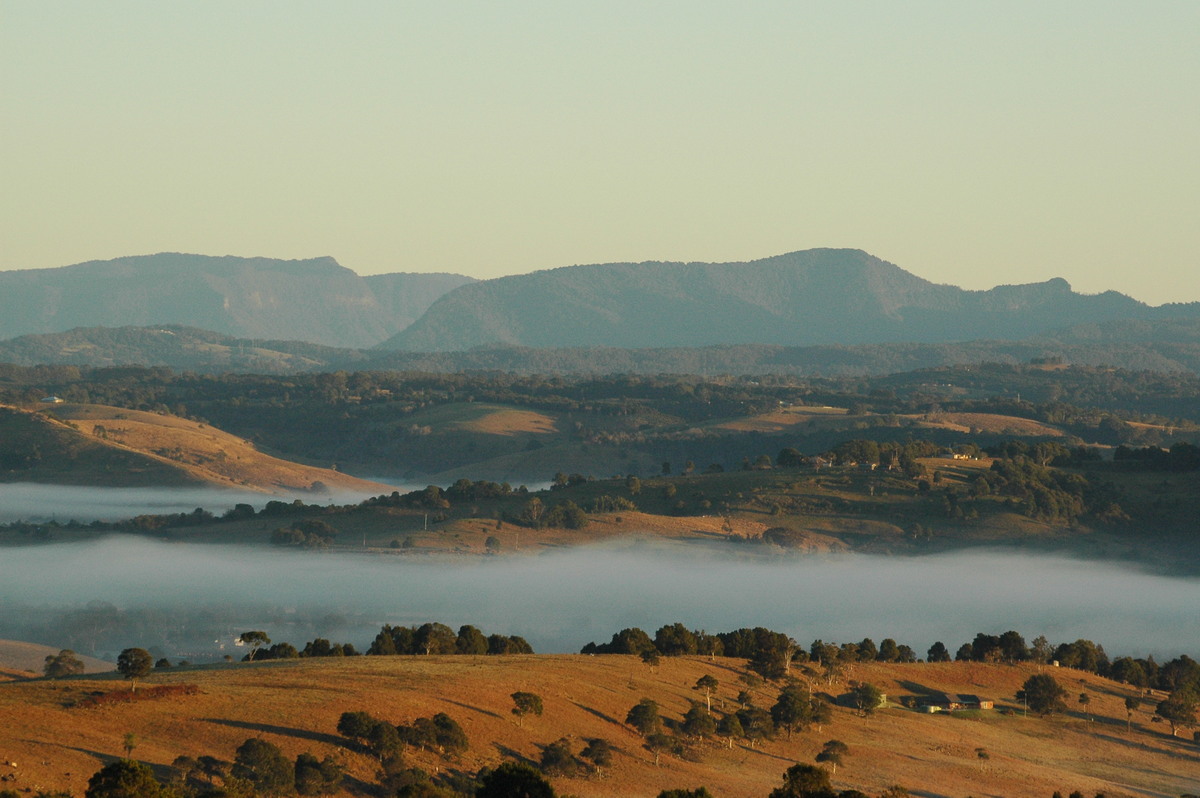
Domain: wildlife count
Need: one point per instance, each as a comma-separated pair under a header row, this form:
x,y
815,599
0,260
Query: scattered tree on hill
x,y
62,665
832,752
708,685
757,724
731,729
134,663
124,779
867,698
938,653
793,709
526,704
356,725
644,717
804,781
557,759
659,744
1043,694
514,780
254,639
317,776
598,751
699,792
1131,705
263,765
1178,709
129,742
698,723
1084,701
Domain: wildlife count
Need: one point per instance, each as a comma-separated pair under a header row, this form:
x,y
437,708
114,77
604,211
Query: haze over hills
x,y
305,300
1167,345
813,297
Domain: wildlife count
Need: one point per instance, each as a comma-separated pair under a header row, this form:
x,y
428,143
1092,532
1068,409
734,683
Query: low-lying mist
x,y
27,501
120,591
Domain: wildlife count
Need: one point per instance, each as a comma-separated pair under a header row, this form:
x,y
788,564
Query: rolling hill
x,y
813,297
56,742
305,300
81,444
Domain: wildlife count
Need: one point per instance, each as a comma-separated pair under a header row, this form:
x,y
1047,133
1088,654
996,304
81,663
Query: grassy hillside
x,y
20,659
296,705
85,444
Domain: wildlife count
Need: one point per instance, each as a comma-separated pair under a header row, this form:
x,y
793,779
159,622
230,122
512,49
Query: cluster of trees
x,y
258,768
439,733
1182,456
309,533
436,638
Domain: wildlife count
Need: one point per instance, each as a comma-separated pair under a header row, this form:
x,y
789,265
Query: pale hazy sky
x,y
969,142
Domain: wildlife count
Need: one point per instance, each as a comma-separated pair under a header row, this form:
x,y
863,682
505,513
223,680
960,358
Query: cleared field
x,y
203,454
296,705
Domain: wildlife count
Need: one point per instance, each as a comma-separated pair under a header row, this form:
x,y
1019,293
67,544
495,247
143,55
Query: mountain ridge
x,y
314,299
803,298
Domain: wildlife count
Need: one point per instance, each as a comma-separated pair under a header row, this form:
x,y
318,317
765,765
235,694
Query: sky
x,y
976,144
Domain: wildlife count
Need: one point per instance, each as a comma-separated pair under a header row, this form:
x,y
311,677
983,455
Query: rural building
x,y
52,400
952,702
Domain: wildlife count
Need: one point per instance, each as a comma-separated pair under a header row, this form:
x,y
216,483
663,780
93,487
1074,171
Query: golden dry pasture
x,y
203,453
296,705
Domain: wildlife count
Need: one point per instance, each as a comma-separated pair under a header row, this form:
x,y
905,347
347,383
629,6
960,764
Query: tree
x,y
254,639
675,639
644,717
1131,705
129,742
123,779
1084,701
557,759
134,663
699,792
598,751
888,651
832,752
62,665
1178,709
708,685
470,641
731,729
1043,694
492,544
317,777
697,722
804,781
526,704
793,709
514,780
659,743
262,764
356,725
867,697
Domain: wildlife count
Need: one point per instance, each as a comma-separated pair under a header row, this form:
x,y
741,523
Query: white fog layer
x,y
561,600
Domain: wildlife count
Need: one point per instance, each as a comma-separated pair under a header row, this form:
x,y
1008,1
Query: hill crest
x,y
804,298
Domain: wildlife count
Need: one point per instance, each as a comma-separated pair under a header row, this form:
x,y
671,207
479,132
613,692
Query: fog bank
x,y
183,594
28,501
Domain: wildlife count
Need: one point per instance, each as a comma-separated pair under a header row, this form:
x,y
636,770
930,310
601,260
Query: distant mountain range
x,y
815,297
816,311
304,300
